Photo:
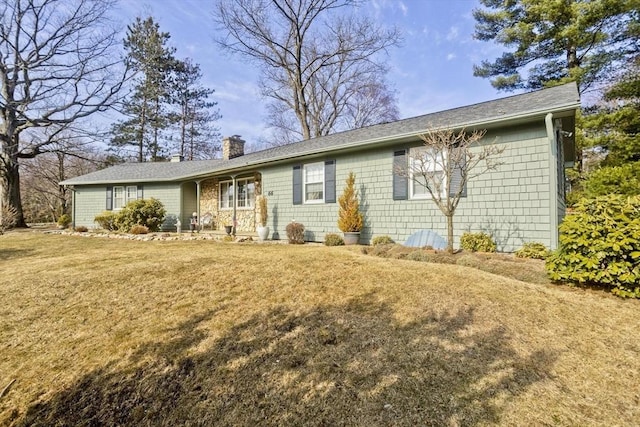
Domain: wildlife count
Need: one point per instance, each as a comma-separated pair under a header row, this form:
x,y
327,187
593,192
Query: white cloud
x,y
451,56
453,33
403,7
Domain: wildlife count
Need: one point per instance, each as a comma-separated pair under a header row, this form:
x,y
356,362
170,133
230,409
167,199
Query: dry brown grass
x,y
106,332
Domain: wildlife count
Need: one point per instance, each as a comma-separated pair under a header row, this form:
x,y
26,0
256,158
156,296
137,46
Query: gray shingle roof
x,y
512,108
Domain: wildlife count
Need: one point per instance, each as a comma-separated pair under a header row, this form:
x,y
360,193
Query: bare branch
x,y
314,58
59,64
447,160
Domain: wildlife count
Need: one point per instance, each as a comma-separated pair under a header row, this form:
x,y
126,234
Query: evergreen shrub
x,y
332,239
600,245
64,220
147,212
107,220
533,250
477,242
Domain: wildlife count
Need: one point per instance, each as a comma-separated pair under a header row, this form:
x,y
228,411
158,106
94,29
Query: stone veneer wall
x,y
246,218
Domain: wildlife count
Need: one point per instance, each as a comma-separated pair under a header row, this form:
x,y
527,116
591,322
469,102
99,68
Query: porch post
x,y
198,202
235,196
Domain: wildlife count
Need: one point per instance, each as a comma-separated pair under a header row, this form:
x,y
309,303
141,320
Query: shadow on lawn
x,y
351,364
11,253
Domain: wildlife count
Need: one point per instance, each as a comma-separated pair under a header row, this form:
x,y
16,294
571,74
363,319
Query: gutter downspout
x,y
73,206
553,180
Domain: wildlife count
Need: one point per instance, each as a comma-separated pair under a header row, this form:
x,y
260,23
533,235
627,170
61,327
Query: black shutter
x,y
297,185
456,177
400,181
140,192
330,181
109,198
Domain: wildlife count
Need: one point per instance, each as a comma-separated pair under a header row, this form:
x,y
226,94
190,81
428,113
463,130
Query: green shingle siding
x,y
512,203
90,201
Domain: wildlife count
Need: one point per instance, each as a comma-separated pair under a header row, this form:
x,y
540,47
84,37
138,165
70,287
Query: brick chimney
x,y
232,147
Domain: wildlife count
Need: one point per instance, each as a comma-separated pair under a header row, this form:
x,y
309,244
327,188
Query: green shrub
x,y
147,212
333,239
81,229
623,179
295,233
381,240
64,220
600,245
533,250
477,242
139,229
107,220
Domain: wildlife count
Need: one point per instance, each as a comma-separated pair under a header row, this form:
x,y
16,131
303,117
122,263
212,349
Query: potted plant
x,y
228,228
350,219
263,230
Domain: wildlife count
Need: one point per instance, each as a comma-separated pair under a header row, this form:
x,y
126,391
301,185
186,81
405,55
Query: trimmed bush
x,y
139,229
107,220
295,233
382,240
350,219
600,245
533,250
477,242
64,220
333,239
81,229
147,212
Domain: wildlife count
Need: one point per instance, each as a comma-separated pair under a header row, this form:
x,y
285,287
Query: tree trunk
x,y
450,234
13,198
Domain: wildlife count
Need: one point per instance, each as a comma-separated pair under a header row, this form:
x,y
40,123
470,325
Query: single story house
x,y
523,200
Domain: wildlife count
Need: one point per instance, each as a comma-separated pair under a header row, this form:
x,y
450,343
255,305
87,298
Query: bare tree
x,y
313,55
43,200
443,165
58,65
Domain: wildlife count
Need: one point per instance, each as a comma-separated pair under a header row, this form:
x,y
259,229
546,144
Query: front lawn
x,y
118,332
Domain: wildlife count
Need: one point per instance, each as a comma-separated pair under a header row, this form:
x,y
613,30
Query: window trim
x,y
305,200
412,181
125,189
235,197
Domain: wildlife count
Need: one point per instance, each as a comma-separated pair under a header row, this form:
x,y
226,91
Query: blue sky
x,y
431,71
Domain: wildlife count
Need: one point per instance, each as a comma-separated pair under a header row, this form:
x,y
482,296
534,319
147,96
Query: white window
x,y
313,182
123,195
246,194
426,169
225,197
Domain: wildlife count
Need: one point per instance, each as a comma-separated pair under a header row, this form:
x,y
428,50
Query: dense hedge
x,y
149,213
600,245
